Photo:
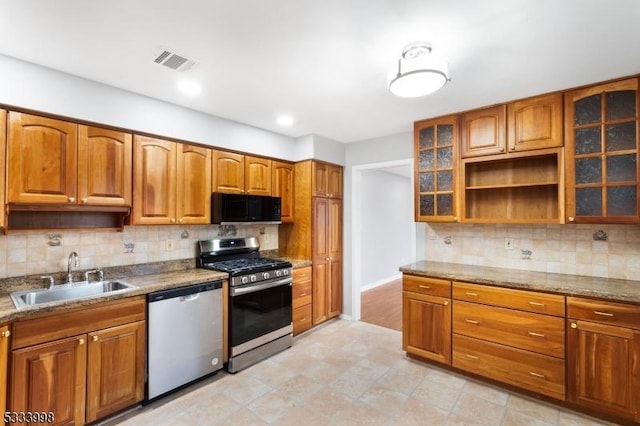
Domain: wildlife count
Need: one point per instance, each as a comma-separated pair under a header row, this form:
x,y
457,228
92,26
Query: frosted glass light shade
x,y
418,76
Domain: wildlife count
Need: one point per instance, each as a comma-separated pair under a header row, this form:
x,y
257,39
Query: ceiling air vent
x,y
174,61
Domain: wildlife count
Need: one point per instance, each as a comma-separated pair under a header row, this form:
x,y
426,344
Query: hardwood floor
x,y
382,305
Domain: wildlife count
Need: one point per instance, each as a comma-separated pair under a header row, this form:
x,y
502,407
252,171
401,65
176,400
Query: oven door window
x,y
258,313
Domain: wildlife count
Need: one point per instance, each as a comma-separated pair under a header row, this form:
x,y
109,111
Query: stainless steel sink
x,y
65,292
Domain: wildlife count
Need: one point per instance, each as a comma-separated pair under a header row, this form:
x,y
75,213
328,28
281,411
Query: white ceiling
x,y
326,61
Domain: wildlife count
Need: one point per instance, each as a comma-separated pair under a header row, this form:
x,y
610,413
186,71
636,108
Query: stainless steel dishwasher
x,y
184,336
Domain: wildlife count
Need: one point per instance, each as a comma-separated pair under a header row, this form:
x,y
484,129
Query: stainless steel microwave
x,y
240,208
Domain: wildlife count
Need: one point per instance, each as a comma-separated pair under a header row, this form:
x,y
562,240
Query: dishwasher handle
x,y
183,293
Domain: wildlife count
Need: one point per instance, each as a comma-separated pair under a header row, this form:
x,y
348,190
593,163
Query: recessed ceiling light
x,y
284,120
189,87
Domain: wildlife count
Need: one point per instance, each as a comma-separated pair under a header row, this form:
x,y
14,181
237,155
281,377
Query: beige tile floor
x,y
346,373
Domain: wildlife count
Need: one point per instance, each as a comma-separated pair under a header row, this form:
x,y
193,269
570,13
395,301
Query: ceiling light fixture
x,y
284,120
189,87
418,73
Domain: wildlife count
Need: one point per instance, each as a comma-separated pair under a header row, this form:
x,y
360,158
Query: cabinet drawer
x,y
71,322
531,301
524,330
301,319
621,314
301,293
302,274
425,285
535,372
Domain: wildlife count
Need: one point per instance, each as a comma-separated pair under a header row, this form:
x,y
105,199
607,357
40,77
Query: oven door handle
x,y
237,291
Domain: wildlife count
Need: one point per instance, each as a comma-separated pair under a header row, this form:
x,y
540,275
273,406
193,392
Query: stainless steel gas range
x,y
260,322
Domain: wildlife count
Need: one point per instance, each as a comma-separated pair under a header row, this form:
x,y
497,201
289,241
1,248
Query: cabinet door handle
x,y
571,218
574,325
72,199
536,303
426,287
302,294
603,314
534,374
472,356
501,149
534,334
85,200
470,321
445,303
81,341
94,338
513,148
469,293
173,220
5,333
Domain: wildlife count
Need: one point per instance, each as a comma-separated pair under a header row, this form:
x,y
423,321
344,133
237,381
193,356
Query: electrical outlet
x,y
508,244
169,245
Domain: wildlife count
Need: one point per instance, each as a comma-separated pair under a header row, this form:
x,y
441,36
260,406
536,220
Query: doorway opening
x,y
383,239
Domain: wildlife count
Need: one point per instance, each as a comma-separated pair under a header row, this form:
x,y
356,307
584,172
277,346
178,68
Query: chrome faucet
x,y
72,256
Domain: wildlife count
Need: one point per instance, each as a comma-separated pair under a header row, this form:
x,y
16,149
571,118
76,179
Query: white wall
x,y
385,226
380,150
30,86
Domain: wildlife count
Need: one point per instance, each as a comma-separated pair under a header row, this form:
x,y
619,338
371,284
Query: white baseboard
x,y
380,282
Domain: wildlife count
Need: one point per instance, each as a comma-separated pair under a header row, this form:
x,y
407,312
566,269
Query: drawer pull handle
x,y
471,356
303,294
534,334
426,287
470,321
534,374
469,293
604,314
536,303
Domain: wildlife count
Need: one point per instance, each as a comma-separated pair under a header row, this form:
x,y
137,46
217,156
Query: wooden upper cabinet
x,y
194,185
257,175
228,172
42,156
602,153
334,181
283,186
154,181
326,180
483,132
436,170
535,123
104,166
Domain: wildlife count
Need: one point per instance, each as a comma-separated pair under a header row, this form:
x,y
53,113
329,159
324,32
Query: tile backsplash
x,y
40,252
611,251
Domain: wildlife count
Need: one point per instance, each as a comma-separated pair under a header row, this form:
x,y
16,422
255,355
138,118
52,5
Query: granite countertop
x,y
569,285
147,278
145,284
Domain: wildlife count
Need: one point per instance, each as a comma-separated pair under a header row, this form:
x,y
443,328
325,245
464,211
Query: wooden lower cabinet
x,y
302,300
538,373
4,356
512,336
604,356
115,369
51,377
426,318
83,377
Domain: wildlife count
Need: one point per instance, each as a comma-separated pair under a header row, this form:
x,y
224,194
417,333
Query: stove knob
x,y
278,273
244,280
286,271
253,278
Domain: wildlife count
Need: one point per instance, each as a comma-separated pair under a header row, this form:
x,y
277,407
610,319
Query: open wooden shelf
x,y
526,188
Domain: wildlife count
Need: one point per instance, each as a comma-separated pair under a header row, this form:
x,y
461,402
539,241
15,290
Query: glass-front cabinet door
x,y
435,169
602,153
